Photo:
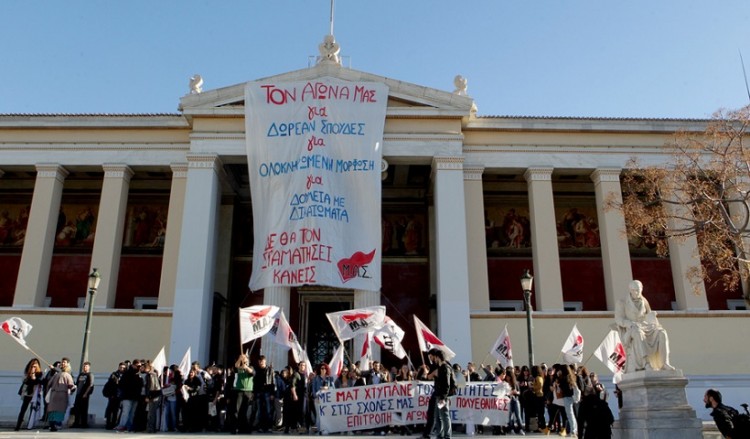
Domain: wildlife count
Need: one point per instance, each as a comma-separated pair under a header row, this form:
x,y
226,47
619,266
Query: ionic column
x,y
168,279
109,230
363,299
452,268
615,251
547,279
191,315
476,243
277,296
36,257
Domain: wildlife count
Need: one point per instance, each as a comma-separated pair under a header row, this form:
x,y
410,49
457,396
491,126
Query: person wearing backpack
x,y
729,421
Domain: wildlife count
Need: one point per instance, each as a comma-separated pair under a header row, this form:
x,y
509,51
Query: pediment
x,y
404,98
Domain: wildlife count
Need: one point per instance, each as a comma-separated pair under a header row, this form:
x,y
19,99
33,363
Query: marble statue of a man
x,y
645,340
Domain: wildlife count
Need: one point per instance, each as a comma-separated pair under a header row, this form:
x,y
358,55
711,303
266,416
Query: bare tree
x,y
703,192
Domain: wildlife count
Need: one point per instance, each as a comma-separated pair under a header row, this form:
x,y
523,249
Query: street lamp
x,y
94,279
526,281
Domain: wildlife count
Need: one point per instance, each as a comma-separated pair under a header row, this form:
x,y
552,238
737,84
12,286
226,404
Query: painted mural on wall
x,y
508,227
145,225
404,234
14,218
76,225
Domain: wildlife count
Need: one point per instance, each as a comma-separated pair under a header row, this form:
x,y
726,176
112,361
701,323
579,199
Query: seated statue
x,y
644,339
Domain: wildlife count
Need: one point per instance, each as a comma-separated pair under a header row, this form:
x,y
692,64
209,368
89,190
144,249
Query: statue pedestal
x,y
654,406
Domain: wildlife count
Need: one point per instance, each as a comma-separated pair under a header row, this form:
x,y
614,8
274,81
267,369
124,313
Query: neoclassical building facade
x,y
160,205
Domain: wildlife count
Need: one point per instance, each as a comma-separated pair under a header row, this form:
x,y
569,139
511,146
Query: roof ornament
x,y
196,84
461,84
329,51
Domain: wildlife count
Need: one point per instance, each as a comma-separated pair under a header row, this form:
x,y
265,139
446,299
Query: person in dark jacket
x,y
595,415
264,391
723,415
443,380
129,389
84,389
30,387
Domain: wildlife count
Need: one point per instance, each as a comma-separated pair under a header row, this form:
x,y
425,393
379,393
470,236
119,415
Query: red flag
x,y
337,362
428,340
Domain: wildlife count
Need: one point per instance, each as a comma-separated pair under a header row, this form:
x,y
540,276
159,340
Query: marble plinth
x,y
654,406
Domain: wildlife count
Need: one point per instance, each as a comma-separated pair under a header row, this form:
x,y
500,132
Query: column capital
x,y
473,173
117,170
609,175
453,163
538,174
179,170
204,161
51,170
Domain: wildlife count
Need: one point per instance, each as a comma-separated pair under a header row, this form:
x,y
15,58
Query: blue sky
x,y
637,58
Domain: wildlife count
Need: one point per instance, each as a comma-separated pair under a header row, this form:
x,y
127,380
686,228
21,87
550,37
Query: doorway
x,y
317,334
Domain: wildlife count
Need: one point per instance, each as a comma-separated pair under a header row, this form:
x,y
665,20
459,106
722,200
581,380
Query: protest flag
x,y
389,337
612,353
572,350
256,321
185,363
337,362
427,340
502,349
18,329
159,362
347,324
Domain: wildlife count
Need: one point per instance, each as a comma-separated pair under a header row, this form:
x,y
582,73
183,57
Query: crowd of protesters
x,y
251,396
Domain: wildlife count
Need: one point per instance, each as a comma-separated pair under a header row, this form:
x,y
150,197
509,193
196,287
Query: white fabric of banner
x,y
314,153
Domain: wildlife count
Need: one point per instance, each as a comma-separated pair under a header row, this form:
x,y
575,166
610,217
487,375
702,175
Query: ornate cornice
x,y
51,170
538,174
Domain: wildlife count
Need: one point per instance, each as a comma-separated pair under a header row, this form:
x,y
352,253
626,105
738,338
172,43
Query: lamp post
x,y
526,281
94,279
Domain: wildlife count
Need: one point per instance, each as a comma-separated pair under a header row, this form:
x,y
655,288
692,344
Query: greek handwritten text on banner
x,y
314,150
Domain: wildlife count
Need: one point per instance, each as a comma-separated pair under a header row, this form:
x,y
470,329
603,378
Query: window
x,y
506,305
736,304
145,302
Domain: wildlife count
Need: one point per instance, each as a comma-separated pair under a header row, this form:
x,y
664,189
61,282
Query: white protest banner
x,y
347,324
573,348
314,153
256,321
405,403
502,349
337,362
186,362
612,353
